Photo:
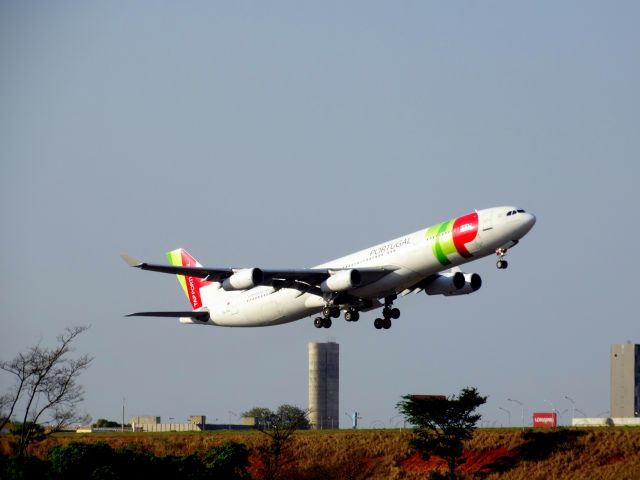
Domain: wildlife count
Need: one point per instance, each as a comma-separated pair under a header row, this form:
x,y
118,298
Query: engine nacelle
x,y
459,283
341,280
472,282
445,284
243,279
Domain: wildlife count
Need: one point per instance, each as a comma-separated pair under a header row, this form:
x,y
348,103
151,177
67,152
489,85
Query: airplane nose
x,y
529,220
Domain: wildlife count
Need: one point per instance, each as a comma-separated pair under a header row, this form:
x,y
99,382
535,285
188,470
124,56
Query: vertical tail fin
x,y
190,285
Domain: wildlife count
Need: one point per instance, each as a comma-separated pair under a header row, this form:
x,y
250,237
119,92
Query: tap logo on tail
x,y
190,285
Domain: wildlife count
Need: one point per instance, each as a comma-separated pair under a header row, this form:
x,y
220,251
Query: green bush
x,y
79,460
104,423
24,468
99,461
229,461
37,431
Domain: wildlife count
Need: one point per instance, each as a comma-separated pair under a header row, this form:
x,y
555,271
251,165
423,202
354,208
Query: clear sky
x,y
285,134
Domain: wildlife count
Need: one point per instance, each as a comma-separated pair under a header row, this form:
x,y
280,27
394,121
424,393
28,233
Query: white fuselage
x,y
411,257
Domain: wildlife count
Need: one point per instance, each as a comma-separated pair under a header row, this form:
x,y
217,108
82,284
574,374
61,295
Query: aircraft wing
x,y
203,315
211,274
315,276
279,278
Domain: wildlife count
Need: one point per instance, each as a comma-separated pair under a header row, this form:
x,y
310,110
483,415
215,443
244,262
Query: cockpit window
x,y
514,212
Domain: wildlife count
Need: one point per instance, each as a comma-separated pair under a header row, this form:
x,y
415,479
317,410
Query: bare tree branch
x,y
46,385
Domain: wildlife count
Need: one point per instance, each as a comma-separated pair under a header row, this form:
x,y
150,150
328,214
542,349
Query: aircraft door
x,y
485,226
486,221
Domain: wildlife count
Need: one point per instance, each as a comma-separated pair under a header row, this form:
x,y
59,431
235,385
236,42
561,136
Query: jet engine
x,y
243,279
341,280
449,284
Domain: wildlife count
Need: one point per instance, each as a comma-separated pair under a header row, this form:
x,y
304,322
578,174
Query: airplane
x,y
427,260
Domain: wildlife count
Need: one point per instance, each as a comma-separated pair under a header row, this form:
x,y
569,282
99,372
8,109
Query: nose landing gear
x,y
501,263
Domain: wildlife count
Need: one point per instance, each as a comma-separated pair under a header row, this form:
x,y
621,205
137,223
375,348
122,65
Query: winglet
x,y
132,262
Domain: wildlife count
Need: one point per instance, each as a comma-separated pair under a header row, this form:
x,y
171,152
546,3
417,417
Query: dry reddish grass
x,y
384,454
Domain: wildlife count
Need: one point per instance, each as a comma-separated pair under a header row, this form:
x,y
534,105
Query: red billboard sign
x,y
545,419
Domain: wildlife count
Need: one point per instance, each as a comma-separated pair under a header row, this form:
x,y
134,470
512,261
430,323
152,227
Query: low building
x,y
145,420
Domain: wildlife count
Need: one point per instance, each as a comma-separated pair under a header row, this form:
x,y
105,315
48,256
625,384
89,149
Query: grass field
x,y
607,453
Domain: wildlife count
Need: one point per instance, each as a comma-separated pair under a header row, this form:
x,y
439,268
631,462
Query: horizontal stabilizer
x,y
202,316
132,262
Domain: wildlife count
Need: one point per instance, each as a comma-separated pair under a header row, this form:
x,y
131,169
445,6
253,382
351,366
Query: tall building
x,y
625,380
324,380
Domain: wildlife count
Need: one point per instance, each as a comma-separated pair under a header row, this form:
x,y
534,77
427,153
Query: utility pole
x,y
508,416
521,407
573,407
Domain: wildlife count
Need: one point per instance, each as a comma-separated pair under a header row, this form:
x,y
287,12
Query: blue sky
x,y
285,134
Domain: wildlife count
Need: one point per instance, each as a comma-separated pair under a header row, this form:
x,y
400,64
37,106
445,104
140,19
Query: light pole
x,y
573,407
521,407
553,409
560,414
508,416
391,424
122,427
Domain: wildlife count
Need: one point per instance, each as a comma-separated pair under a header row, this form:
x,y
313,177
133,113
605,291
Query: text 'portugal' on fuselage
x,y
428,260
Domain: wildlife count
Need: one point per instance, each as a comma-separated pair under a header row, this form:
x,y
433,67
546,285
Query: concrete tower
x,y
625,380
324,380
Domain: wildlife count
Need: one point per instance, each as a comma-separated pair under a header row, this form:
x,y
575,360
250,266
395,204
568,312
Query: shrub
x,y
229,460
79,460
24,468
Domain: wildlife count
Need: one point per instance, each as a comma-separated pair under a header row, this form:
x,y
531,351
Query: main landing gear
x,y
501,263
388,312
328,313
352,315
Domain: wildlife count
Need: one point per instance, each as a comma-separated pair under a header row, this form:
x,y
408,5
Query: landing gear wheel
x,y
389,312
318,322
501,263
351,316
335,312
326,312
326,323
378,323
386,324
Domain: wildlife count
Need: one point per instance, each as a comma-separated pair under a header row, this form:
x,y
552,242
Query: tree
x,y
45,387
104,423
442,424
286,414
259,414
279,426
